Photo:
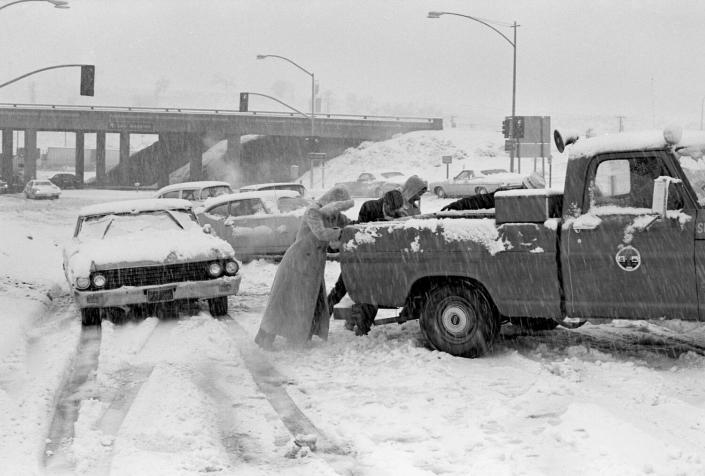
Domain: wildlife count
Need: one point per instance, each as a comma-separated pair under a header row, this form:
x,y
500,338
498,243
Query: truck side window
x,y
611,185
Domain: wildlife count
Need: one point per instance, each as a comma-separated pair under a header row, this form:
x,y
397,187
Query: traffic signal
x,y
244,98
505,127
518,127
87,79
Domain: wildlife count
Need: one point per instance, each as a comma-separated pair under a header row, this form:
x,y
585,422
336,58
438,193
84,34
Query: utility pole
x,y
621,123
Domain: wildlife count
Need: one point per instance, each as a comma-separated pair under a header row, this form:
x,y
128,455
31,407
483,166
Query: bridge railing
x,y
183,110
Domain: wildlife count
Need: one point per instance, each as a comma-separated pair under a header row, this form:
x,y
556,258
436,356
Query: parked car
x,y
297,187
65,180
146,252
260,224
196,192
3,186
370,185
475,182
41,189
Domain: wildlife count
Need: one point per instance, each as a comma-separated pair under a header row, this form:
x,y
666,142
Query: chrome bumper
x,y
125,295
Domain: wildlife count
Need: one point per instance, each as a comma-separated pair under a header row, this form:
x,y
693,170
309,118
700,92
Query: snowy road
x,y
194,395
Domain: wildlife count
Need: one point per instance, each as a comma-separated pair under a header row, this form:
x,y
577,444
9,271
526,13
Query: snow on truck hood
x,y
145,249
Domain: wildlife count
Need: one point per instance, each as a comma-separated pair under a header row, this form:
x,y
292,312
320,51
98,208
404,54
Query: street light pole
x,y
313,86
514,67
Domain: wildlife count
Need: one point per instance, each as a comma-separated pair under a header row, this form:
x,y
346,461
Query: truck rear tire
x,y
90,316
459,319
440,192
218,306
534,323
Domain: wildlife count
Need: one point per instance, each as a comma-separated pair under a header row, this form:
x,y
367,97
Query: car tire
x,y
459,319
440,192
90,316
218,306
534,323
480,190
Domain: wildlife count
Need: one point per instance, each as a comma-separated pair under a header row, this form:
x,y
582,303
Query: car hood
x,y
47,188
143,249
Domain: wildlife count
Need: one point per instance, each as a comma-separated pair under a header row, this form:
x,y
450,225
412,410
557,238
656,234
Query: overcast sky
x,y
640,59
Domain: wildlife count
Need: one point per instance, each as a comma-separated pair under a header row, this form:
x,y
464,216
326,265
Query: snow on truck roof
x,y
626,141
138,205
263,194
199,185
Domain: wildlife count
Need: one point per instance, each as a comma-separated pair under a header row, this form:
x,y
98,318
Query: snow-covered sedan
x,y
41,189
147,253
261,224
475,182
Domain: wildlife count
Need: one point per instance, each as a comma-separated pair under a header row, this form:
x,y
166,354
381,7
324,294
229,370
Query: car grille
x,y
153,275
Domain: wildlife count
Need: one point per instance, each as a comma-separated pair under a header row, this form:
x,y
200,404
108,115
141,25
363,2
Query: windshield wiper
x,y
175,219
105,232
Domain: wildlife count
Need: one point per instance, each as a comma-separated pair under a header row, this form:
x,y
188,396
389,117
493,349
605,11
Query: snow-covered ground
x,y
193,395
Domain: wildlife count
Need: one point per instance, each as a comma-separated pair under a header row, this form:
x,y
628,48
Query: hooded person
x,y
297,307
413,188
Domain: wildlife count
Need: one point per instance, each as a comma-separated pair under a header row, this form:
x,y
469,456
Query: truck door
x,y
620,260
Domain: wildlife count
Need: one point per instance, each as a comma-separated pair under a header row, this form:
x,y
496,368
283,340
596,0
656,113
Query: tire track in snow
x,y
80,385
271,383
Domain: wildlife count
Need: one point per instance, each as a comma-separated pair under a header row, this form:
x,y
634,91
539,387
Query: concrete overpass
x,y
181,130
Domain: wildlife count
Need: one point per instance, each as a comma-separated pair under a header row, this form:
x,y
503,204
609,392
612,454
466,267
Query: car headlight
x,y
231,267
83,283
215,269
98,280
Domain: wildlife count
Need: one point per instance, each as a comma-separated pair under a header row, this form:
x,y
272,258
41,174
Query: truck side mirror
x,y
659,203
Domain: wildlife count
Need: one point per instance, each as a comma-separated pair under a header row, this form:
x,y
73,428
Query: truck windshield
x,y
694,169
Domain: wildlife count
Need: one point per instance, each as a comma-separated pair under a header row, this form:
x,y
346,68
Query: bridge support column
x,y
195,155
100,158
80,155
124,158
233,157
30,154
163,161
6,169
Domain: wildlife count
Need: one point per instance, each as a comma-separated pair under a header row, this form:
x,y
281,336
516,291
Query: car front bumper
x,y
126,295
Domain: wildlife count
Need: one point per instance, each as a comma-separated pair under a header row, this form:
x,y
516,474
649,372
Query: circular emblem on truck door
x,y
628,258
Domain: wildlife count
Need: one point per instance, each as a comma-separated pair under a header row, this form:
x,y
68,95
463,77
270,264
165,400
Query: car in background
x,y
65,180
3,186
371,185
41,189
259,224
196,192
297,187
146,254
475,182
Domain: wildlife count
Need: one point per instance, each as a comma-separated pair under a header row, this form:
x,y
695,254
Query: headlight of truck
x,y
231,267
215,269
98,280
83,283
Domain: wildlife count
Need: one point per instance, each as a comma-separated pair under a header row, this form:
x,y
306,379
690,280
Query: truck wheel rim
x,y
456,319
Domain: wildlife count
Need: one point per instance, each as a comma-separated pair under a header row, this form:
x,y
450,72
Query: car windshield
x,y
215,191
392,174
290,204
493,171
43,182
96,227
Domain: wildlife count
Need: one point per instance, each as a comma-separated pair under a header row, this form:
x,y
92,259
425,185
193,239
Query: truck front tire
x,y
460,320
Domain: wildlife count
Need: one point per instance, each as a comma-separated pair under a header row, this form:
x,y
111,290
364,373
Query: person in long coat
x,y
297,307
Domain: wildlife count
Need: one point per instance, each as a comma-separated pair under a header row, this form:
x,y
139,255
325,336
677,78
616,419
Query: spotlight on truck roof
x,y
562,141
673,134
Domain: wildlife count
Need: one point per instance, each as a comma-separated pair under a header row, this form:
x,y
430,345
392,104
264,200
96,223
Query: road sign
x,y
447,159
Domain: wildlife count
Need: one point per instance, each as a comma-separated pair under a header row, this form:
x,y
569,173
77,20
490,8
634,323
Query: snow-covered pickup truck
x,y
146,253
625,239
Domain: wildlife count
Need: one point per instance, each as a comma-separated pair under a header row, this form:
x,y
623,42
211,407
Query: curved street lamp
x,y
57,3
513,44
313,85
